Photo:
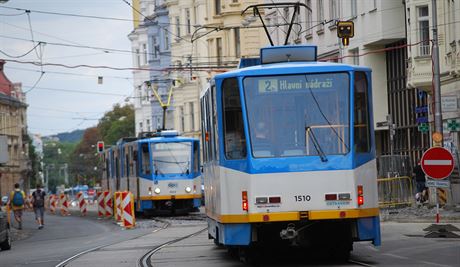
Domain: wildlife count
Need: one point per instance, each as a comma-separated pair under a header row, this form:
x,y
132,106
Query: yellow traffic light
x,y
345,30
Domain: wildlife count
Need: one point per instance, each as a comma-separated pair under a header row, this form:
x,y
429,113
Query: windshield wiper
x,y
316,144
324,116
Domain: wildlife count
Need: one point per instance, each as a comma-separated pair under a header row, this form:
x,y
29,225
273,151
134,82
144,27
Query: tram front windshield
x,y
298,115
171,158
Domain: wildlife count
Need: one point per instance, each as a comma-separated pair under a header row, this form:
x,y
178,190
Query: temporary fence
x,y
129,220
108,204
81,203
64,203
394,166
118,203
53,202
395,191
100,204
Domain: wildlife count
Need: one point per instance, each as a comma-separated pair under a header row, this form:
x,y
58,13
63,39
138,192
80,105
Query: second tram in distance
x,y
162,171
289,154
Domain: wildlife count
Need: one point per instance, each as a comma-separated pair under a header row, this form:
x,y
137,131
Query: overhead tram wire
x,y
23,55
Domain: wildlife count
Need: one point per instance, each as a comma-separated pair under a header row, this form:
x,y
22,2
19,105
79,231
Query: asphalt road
x,y
61,238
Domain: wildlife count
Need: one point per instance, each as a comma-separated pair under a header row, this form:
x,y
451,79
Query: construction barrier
x,y
64,203
129,220
108,204
53,202
118,211
100,204
81,203
395,191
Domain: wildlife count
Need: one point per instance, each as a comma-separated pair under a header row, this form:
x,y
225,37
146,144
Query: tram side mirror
x,y
145,148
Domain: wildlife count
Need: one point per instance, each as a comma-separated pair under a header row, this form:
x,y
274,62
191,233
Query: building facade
x,y
159,44
142,97
13,128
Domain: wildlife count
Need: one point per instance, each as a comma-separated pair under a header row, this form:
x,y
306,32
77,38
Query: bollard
x,y
129,220
100,204
81,203
108,204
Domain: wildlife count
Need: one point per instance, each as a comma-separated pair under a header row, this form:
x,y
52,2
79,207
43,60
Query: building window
x,y
334,9
423,30
354,8
144,54
320,10
309,21
192,116
182,119
237,42
178,27
138,58
355,56
189,21
217,7
219,51
166,36
154,47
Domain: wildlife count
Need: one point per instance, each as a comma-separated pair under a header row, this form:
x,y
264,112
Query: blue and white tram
x,y
289,153
163,172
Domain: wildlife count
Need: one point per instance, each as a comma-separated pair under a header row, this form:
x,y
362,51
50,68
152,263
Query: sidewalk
x,y
419,214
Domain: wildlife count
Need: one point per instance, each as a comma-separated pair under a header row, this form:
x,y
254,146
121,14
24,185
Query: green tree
x,y
117,123
84,162
55,161
35,165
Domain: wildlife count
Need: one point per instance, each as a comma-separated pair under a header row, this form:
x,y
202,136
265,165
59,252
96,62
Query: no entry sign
x,y
437,163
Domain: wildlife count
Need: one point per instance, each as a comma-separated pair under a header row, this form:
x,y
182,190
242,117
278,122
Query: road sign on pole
x,y
423,127
437,163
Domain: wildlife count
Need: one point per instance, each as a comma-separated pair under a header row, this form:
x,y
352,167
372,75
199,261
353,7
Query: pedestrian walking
x,y
422,193
38,202
17,202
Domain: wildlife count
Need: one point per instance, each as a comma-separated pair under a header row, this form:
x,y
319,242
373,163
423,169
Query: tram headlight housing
x,y
188,189
157,190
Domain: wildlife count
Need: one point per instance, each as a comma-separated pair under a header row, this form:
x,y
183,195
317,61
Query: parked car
x,y
5,233
4,200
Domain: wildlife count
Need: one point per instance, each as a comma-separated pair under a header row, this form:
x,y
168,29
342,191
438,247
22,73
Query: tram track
x,y
145,260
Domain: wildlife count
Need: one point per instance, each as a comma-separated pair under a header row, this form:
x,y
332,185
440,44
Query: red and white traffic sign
x,y
437,163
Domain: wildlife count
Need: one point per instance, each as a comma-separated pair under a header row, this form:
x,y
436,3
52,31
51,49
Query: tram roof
x,y
291,68
161,139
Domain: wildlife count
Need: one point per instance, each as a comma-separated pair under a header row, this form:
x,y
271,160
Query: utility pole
x,y
436,77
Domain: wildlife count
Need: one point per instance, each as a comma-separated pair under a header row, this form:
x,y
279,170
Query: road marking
x,y
437,162
435,264
361,263
396,256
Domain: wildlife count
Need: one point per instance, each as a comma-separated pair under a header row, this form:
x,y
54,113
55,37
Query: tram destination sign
x,y
279,84
437,163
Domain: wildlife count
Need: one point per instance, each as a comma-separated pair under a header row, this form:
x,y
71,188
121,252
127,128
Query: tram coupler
x,y
290,233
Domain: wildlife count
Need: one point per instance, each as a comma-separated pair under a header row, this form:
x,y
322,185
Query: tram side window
x,y
234,139
361,125
145,159
196,157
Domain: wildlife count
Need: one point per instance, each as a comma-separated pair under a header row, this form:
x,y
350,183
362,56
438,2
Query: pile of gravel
x,y
418,213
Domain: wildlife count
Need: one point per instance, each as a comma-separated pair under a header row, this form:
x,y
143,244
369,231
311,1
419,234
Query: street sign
x,y
423,127
382,124
421,119
437,183
437,163
453,125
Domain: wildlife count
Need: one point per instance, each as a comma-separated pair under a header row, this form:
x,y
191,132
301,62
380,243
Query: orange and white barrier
x,y
64,202
118,211
53,202
108,204
100,204
129,220
81,203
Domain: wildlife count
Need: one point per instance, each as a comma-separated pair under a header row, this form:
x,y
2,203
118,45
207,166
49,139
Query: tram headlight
x,y
188,189
157,190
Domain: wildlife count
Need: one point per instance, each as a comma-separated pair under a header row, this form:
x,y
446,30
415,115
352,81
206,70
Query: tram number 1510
x,y
300,198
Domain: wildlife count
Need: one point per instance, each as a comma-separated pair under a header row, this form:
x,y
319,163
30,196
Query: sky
x,y
66,99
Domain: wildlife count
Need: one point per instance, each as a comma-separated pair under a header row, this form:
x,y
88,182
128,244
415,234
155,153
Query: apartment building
x,y
142,96
13,130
